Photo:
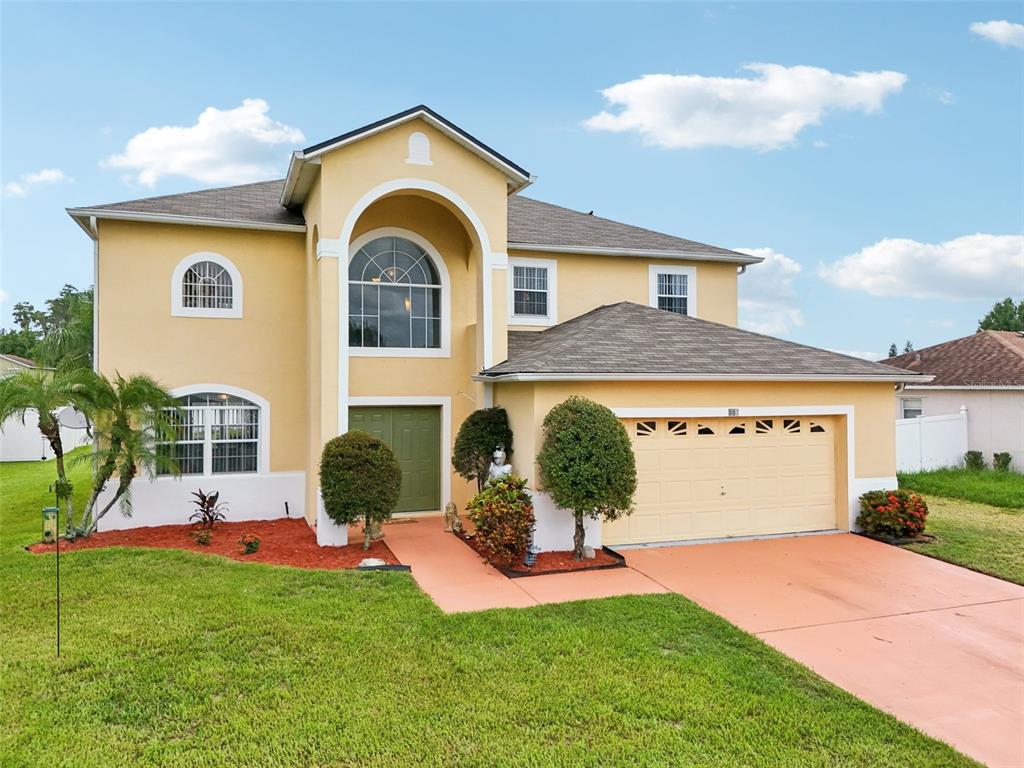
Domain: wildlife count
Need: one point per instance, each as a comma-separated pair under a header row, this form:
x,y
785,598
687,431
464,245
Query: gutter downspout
x,y
94,233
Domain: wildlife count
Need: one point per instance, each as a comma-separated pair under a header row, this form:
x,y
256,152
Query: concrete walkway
x,y
458,580
938,646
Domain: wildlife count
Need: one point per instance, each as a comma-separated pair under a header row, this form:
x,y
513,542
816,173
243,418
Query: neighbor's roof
x,y
632,341
19,360
532,225
983,359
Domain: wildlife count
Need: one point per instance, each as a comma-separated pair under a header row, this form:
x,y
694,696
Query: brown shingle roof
x,y
986,358
533,222
530,222
19,359
257,203
628,339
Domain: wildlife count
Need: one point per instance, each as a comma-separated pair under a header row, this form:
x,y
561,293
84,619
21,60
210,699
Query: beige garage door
x,y
710,478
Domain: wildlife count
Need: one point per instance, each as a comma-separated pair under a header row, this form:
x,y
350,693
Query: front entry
x,y
414,434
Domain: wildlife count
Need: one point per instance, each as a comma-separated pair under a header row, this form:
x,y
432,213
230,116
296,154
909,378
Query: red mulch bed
x,y
551,562
282,542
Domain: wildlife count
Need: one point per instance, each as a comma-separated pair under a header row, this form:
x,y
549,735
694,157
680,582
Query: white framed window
x,y
532,291
419,149
673,288
398,296
206,285
217,434
911,407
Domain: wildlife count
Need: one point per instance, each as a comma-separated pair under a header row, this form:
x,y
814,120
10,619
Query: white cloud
x,y
1004,33
873,356
3,296
765,112
767,297
945,97
230,146
29,181
970,267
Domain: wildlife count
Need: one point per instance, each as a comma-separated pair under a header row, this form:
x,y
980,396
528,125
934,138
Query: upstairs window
x,y
532,287
911,407
394,296
217,434
206,285
673,289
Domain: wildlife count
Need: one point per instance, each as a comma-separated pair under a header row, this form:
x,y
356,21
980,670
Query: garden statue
x,y
452,518
499,465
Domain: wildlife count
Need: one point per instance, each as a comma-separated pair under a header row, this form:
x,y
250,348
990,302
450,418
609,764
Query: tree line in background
x,y
59,335
1005,315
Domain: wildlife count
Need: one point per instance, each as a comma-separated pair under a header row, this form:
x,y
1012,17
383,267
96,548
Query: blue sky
x,y
889,202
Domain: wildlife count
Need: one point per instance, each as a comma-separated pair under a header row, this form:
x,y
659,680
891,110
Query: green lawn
x,y
182,659
985,538
999,489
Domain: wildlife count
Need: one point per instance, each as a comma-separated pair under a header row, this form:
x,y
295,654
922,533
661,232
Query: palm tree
x,y
134,420
69,344
44,393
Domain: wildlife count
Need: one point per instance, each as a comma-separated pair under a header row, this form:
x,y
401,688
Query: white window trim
x,y
179,310
903,403
263,445
654,270
419,149
551,265
445,350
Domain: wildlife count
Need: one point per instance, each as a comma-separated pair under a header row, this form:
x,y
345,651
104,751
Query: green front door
x,y
414,434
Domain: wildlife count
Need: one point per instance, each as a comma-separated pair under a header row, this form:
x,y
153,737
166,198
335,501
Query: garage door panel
x,y
742,477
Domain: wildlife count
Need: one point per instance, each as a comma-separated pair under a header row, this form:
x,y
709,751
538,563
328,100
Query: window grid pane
x,y
672,292
228,425
206,286
530,291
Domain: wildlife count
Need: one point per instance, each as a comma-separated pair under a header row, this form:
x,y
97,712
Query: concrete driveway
x,y
938,646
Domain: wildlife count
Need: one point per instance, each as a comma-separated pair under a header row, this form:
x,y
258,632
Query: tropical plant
x,y
203,537
249,543
899,514
59,335
481,432
974,460
1001,461
44,393
587,464
502,516
209,509
360,479
134,422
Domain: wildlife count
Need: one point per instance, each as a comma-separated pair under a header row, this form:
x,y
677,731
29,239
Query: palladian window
x,y
394,296
206,285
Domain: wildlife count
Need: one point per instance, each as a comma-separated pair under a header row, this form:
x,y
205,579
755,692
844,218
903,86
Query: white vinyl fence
x,y
931,442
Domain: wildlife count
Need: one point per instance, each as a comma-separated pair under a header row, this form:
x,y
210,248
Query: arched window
x,y
216,434
394,296
206,285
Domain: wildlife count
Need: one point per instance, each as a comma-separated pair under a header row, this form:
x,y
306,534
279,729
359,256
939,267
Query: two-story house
x,y
396,280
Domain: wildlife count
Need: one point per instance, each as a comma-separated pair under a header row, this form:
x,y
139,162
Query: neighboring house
x,y
22,440
983,372
396,280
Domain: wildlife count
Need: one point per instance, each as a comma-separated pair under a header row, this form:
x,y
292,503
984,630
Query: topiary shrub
x,y
587,464
481,432
360,479
1001,461
502,514
899,514
974,460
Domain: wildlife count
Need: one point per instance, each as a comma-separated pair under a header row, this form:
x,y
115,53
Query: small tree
x,y
479,435
360,479
1005,315
587,464
893,352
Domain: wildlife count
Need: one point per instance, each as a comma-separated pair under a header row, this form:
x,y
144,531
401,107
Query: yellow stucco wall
x,y
585,282
874,434
262,352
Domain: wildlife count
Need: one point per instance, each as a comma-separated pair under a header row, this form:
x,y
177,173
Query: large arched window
x,y
216,434
394,296
206,285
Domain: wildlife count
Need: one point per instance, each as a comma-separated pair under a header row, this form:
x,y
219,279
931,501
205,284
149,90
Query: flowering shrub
x,y
502,514
249,543
899,514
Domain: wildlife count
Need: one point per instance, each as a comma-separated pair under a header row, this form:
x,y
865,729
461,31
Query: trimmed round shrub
x,y
899,514
502,515
587,464
360,479
481,432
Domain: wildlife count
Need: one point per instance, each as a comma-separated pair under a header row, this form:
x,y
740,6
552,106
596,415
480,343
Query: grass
x,y
978,536
183,659
998,489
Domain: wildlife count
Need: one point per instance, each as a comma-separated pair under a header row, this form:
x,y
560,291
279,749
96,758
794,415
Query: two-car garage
x,y
705,478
